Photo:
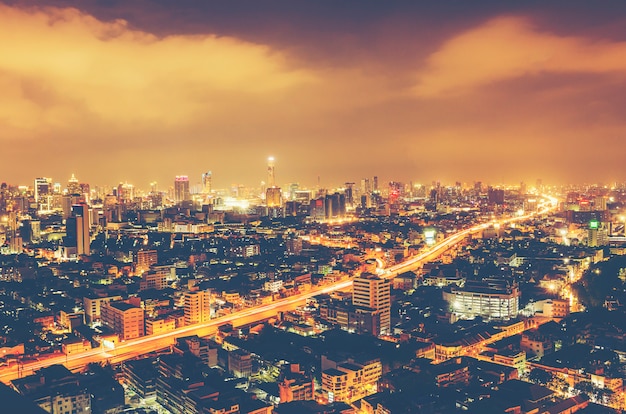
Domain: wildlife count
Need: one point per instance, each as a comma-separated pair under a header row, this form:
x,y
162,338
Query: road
x,y
137,347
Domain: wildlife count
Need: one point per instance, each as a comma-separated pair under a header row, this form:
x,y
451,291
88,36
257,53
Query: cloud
x,y
60,67
510,47
108,101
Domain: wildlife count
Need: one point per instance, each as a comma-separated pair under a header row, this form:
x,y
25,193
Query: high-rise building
x,y
31,231
495,195
43,187
365,186
273,194
207,184
67,201
181,189
197,307
77,230
73,187
371,291
271,179
335,205
125,192
597,234
349,194
83,240
317,208
273,197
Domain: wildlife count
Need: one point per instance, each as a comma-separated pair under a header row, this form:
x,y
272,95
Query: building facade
x,y
125,319
487,298
371,291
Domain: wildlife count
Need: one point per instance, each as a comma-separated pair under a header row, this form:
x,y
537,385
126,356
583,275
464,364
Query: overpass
x,y
136,347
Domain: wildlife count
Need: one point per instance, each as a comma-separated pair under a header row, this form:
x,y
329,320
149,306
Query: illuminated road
x,y
439,248
137,347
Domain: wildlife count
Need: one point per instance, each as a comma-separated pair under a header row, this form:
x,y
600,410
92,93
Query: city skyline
x,y
146,91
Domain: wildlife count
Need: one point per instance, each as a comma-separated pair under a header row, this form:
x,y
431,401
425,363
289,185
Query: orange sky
x,y
499,96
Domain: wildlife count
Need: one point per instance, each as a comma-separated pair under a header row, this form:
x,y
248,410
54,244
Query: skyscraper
x,y
77,230
370,291
207,185
273,194
349,194
181,189
73,187
270,172
43,187
273,197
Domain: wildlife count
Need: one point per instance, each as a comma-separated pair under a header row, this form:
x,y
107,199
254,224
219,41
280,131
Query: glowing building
x,y
181,189
349,382
207,184
197,307
43,187
125,319
73,187
270,172
371,291
489,298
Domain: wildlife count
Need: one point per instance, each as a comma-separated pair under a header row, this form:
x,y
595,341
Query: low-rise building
x,y
93,306
488,298
351,381
55,389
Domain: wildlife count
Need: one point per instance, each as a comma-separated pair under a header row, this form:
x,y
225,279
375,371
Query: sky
x,y
499,92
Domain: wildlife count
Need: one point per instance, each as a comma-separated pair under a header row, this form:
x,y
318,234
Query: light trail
x,y
136,347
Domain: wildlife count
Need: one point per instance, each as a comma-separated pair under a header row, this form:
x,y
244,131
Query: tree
x,y
586,388
539,376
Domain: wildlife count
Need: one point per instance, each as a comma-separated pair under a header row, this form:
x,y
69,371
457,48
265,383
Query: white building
x,y
488,298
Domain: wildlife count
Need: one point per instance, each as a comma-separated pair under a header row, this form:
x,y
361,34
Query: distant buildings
x,y
181,189
78,239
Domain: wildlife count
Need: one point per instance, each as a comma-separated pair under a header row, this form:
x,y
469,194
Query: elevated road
x,y
136,347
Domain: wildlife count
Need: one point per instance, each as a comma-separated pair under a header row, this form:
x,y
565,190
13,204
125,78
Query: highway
x,y
137,347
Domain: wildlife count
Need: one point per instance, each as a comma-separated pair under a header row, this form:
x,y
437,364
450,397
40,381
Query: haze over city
x,y
312,207
143,91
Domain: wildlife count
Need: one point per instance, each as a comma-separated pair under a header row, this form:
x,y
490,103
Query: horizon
x,y
145,91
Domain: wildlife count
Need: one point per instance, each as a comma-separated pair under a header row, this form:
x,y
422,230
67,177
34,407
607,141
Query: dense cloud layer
x,y
493,96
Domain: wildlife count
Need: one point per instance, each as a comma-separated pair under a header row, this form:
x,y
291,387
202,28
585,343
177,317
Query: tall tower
x,y
270,172
181,189
43,187
350,194
207,185
78,229
370,291
73,187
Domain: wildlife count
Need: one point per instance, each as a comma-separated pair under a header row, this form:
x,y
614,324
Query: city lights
x,y
337,207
